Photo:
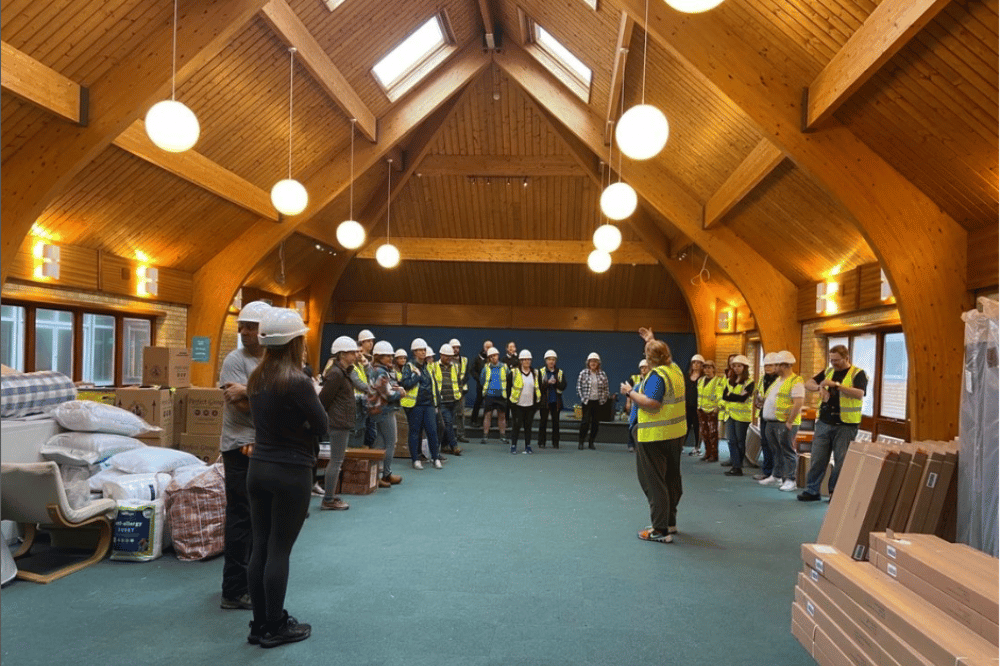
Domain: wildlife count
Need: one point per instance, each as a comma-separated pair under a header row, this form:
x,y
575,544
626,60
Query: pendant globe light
x,y
387,255
599,261
693,6
170,124
350,234
618,200
607,237
643,130
288,195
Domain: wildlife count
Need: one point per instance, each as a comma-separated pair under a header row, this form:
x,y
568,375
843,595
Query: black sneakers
x,y
285,630
806,496
240,603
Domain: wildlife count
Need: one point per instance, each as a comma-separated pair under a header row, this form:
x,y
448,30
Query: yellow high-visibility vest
x,y
502,369
739,411
518,384
362,375
709,393
456,390
850,408
410,399
670,420
784,404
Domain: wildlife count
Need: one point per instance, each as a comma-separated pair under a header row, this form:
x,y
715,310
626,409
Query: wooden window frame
x,y
78,310
425,65
553,64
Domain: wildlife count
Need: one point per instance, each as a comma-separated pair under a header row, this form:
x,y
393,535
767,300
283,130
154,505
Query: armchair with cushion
x,y
33,494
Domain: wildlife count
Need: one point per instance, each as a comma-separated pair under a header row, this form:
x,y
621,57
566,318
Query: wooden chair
x,y
33,494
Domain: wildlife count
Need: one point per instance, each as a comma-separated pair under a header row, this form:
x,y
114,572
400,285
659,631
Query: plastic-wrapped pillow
x,y
184,475
137,486
97,480
80,449
151,459
89,416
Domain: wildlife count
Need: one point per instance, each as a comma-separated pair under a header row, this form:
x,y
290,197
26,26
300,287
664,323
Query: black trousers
x,y
478,404
544,412
523,417
279,501
590,421
238,534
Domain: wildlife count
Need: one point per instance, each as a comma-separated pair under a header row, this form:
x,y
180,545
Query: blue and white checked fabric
x,y
34,393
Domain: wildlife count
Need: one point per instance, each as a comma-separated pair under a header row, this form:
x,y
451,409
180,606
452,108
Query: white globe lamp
x,y
694,6
607,238
350,234
599,261
618,201
387,256
642,132
172,126
289,196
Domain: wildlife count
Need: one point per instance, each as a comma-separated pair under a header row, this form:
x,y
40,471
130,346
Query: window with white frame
x,y
12,336
99,349
414,58
54,340
136,334
558,59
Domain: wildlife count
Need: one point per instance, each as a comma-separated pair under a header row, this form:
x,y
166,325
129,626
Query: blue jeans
x,y
385,425
781,439
827,438
422,418
736,436
767,464
447,410
357,437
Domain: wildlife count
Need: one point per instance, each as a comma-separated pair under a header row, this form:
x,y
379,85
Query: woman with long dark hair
x,y
288,419
737,394
691,378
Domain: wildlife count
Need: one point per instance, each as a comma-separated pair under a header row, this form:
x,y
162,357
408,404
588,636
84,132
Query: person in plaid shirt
x,y
592,388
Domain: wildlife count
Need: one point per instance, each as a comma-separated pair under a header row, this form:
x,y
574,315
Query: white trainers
x,y
788,486
437,464
417,464
770,481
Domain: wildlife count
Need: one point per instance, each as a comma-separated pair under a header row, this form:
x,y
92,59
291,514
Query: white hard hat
x,y
253,312
525,354
343,344
491,351
446,350
594,356
382,348
698,357
430,353
785,357
770,358
643,362
454,342
418,343
279,326
401,352
551,354
365,335
740,358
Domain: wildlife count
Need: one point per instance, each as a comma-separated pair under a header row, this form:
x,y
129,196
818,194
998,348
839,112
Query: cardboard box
x,y
203,411
154,405
802,474
180,415
864,480
893,489
930,632
402,437
359,483
157,439
205,447
944,483
925,492
166,366
908,491
838,649
803,627
965,574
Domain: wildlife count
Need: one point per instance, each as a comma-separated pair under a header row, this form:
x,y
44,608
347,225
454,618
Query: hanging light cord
x,y
645,44
388,202
622,113
291,93
173,61
703,275
353,122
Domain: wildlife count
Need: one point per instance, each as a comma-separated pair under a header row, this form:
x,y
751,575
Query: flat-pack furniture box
x,y
166,366
203,411
205,447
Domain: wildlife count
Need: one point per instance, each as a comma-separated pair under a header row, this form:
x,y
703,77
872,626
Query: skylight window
x,y
562,54
559,60
414,58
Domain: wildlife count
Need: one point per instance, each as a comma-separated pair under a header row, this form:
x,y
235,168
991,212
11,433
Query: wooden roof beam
x,y
40,171
294,32
762,160
199,170
507,250
882,202
217,281
36,83
625,28
489,26
500,166
883,34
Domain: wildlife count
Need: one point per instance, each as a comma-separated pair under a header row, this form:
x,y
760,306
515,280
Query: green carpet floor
x,y
495,560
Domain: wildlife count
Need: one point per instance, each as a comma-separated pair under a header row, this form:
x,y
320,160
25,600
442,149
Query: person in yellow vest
x,y
463,376
448,380
362,368
525,394
552,382
709,395
635,380
366,343
420,404
660,426
841,387
767,378
495,379
737,395
399,362
782,413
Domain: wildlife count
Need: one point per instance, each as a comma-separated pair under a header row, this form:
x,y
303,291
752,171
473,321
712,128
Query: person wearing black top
x,y
289,420
834,433
691,378
767,378
477,371
552,382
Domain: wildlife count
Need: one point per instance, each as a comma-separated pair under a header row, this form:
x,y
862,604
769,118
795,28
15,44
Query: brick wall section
x,y
171,330
229,335
726,344
813,358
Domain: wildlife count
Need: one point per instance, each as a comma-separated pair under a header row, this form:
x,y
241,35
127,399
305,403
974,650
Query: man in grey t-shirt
x,y
236,443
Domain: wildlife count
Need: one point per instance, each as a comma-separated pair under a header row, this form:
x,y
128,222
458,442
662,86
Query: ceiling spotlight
x,y
524,183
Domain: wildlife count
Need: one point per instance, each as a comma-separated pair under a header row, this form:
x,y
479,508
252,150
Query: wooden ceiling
x,y
930,112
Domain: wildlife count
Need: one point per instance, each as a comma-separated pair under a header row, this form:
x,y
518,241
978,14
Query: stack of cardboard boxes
x,y
924,602
359,471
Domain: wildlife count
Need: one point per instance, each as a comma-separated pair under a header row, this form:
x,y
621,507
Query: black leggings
x,y
523,418
279,500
